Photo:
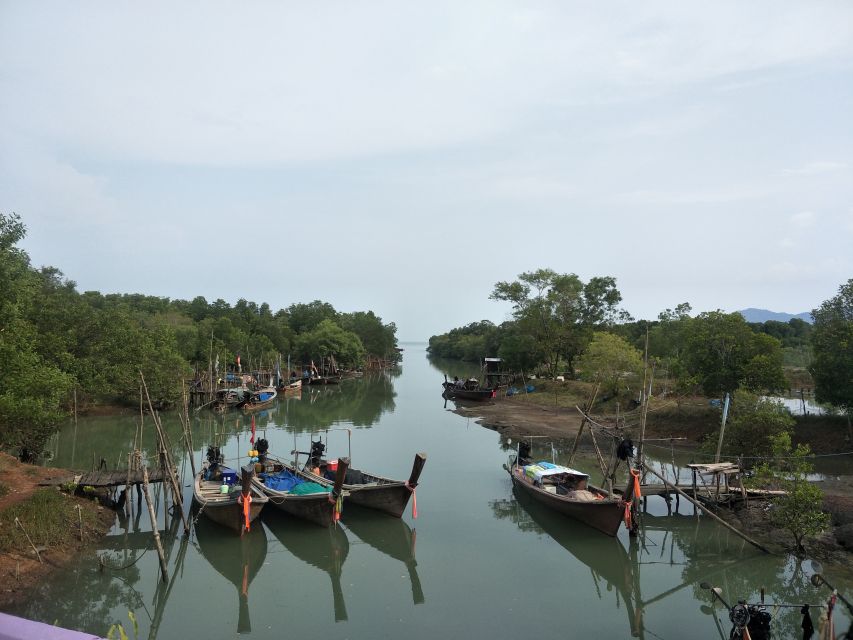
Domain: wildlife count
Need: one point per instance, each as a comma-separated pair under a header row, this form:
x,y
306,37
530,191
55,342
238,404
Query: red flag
x,y
252,439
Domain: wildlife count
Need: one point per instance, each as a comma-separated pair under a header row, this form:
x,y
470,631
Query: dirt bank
x,y
20,569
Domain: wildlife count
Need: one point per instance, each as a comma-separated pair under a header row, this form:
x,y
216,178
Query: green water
x,y
478,561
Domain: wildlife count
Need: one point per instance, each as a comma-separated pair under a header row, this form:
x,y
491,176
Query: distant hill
x,y
763,315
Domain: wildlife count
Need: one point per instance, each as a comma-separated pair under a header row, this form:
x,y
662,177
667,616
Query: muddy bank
x,y
517,417
20,568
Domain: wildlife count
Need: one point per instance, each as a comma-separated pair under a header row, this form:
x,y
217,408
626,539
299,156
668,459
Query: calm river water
x,y
478,561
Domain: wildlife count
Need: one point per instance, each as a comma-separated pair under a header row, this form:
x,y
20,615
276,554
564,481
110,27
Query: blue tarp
x,y
281,481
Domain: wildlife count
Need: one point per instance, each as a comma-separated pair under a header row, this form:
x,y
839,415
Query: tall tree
x,y
832,344
725,354
560,312
32,390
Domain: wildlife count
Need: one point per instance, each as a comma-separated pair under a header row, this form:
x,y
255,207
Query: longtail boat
x,y
365,489
298,493
467,390
568,491
222,500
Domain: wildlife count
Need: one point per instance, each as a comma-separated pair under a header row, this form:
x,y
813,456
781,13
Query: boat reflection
x,y
238,559
606,557
324,549
391,536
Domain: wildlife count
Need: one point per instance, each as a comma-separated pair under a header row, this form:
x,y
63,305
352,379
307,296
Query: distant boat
x,y
231,398
260,399
568,491
467,390
220,497
297,493
292,387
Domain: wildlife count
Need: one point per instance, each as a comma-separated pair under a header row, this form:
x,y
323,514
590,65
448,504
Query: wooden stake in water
x,y
160,553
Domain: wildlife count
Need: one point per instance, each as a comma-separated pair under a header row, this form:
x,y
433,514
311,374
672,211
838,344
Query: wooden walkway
x,y
105,478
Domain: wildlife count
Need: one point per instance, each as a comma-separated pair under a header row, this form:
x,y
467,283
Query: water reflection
x,y
611,568
391,536
237,558
326,550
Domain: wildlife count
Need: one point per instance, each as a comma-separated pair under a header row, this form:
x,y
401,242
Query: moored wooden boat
x,y
292,387
260,399
321,506
370,490
467,390
231,398
568,491
238,506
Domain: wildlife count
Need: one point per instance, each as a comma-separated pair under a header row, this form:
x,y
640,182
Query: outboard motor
x,y
214,456
759,623
262,446
317,449
625,449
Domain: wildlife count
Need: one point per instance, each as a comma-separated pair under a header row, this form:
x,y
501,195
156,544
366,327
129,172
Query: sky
x,y
405,157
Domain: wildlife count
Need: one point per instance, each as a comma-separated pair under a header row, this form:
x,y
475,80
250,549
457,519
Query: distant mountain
x,y
763,315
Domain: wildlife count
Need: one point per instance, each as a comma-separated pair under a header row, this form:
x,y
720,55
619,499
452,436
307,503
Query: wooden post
x,y
722,428
127,499
710,513
583,422
163,570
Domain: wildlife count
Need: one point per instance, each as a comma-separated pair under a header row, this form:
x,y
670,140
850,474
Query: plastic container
x,y
332,465
224,489
229,476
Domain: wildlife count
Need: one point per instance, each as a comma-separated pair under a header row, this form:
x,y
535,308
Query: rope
x,y
414,499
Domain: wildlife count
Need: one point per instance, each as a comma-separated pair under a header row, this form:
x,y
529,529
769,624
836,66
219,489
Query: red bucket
x,y
332,465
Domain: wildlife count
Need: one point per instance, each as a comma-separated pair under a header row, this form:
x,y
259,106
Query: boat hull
x,y
227,512
377,492
605,515
318,508
454,392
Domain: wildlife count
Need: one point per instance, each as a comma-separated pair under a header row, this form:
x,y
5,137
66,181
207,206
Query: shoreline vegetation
x,y
69,352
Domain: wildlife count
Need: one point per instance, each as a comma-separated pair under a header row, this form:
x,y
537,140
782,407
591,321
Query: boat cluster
x,y
314,491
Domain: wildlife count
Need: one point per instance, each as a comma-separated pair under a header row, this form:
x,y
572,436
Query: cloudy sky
x,y
404,157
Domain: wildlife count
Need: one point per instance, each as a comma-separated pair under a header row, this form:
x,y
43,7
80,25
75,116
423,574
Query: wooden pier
x,y
105,478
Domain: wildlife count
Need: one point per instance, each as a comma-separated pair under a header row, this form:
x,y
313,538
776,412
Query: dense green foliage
x,y
56,343
612,361
556,316
756,428
832,343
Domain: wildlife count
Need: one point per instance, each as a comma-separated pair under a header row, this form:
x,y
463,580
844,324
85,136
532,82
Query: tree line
x,y
58,344
563,326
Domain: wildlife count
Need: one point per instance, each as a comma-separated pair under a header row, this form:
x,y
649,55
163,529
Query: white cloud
x,y
804,219
817,168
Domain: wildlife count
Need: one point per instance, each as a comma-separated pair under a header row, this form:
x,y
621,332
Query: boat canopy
x,y
539,470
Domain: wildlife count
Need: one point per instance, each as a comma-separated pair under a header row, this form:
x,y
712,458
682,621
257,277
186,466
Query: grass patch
x,y
49,517
3,489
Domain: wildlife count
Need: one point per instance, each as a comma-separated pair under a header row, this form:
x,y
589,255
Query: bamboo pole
x,y
169,472
163,570
583,422
709,512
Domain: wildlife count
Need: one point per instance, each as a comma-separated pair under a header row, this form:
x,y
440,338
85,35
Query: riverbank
x,y
554,415
50,529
